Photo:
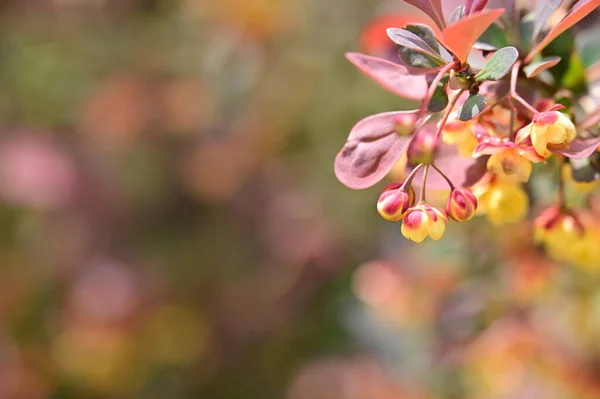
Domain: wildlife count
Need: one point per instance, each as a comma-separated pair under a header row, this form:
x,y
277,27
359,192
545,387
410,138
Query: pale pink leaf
x,y
372,149
580,148
433,8
581,9
537,67
392,77
460,37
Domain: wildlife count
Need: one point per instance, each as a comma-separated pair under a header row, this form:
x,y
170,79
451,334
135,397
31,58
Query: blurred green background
x,y
171,227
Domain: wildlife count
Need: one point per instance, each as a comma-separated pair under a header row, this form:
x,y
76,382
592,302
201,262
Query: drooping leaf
x,y
498,65
372,149
580,149
459,37
433,8
392,77
577,13
458,14
533,69
543,10
409,40
439,100
472,107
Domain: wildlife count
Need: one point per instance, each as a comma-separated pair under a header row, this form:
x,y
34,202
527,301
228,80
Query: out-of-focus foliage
x,y
171,227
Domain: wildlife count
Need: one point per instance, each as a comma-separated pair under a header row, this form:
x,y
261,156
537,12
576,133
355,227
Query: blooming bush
x,y
500,88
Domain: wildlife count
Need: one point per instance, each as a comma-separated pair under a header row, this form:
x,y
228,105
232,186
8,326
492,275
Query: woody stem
x,y
424,183
449,109
514,74
411,176
436,81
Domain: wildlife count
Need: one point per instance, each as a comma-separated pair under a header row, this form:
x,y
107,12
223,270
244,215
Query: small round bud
x,y
461,205
422,221
393,204
423,148
405,124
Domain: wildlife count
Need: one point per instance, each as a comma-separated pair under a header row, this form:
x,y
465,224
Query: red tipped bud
x,y
422,221
393,204
423,148
461,205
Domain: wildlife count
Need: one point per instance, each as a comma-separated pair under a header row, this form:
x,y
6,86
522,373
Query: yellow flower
x,y
566,239
502,201
551,130
461,134
510,163
422,221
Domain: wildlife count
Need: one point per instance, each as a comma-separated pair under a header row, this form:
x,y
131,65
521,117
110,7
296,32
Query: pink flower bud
x,y
424,221
405,124
422,148
393,204
461,205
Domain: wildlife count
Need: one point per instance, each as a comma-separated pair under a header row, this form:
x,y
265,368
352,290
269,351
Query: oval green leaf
x,y
498,65
474,105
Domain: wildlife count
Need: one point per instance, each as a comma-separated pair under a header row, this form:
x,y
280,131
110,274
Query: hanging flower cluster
x,y
500,89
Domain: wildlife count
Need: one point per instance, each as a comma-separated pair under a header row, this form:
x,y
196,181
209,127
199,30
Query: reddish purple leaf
x,y
581,9
581,149
533,69
433,8
473,6
542,12
392,77
372,149
461,36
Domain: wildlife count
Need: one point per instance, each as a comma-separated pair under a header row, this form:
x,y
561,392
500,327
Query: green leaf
x,y
498,65
425,33
439,100
416,59
409,40
495,36
526,29
472,107
420,59
574,78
